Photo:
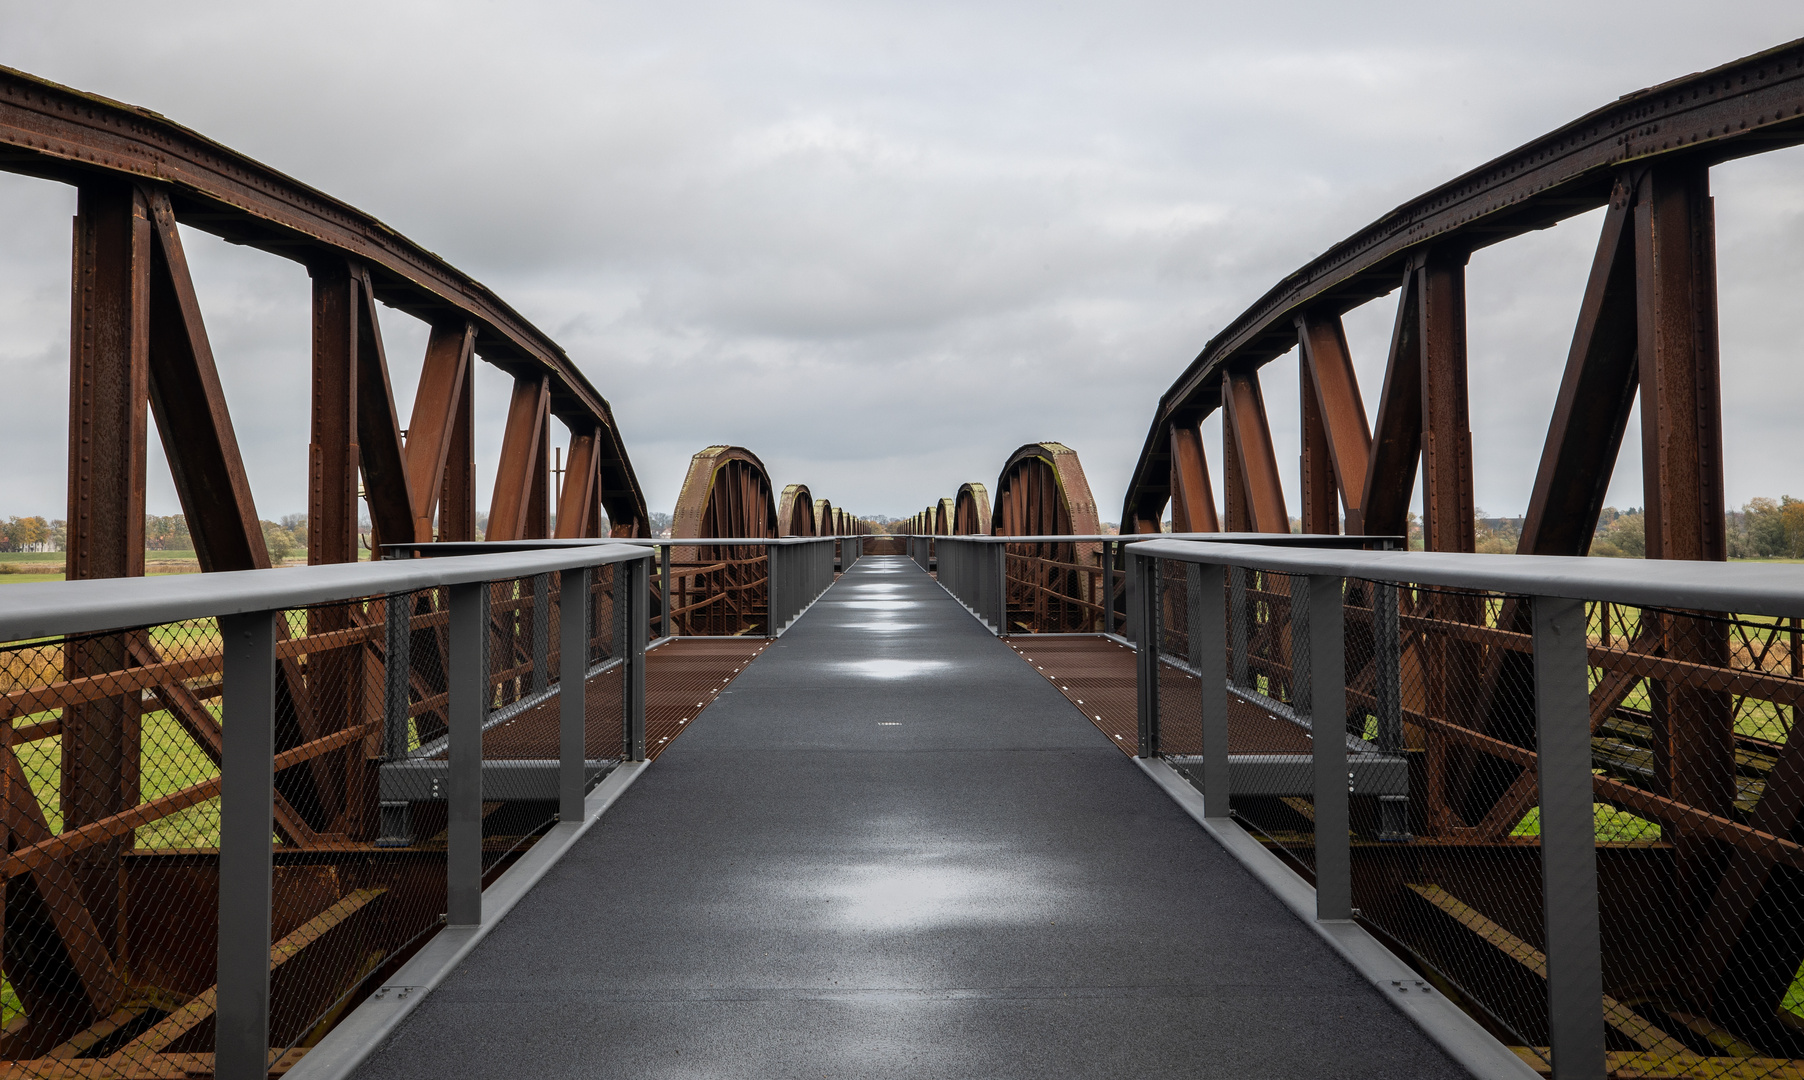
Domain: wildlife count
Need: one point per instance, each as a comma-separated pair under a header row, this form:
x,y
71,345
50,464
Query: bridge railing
x,y
235,803
713,587
1565,790
1064,584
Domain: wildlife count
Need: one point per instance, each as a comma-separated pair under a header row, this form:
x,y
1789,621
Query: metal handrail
x,y
249,606
1753,589
1556,590
59,608
1311,540
797,578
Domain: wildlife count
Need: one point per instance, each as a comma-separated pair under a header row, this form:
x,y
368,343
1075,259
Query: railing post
x,y
1130,588
397,667
1393,810
664,587
1209,653
634,597
541,632
1237,625
573,696
246,864
1575,984
999,595
469,692
1328,726
776,590
1145,571
1110,554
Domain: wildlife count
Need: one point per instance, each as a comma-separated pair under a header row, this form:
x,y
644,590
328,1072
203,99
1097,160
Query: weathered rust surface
x,y
1750,106
795,511
971,510
82,139
1042,491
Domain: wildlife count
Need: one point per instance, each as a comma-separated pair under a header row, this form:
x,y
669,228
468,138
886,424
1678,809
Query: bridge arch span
x,y
1043,491
795,512
971,511
727,493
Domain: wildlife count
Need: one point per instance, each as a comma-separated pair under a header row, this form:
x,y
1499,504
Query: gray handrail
x,y
57,608
797,579
248,606
1312,540
1556,589
1750,589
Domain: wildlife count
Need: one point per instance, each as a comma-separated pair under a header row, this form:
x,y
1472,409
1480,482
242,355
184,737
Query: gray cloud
x,y
884,244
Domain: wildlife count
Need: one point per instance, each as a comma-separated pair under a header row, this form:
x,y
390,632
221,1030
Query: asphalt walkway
x,y
893,850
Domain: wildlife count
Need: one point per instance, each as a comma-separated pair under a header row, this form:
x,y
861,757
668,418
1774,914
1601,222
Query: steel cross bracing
x,y
139,340
1647,326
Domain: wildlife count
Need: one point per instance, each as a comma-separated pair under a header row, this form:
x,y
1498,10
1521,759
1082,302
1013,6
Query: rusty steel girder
x,y
1042,491
971,514
1647,156
795,512
138,174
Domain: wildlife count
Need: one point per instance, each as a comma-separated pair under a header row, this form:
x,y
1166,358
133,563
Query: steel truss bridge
x,y
986,791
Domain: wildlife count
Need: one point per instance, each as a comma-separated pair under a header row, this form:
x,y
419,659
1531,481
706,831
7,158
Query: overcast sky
x,y
883,245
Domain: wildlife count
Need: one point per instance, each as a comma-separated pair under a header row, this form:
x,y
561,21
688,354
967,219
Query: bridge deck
x,y
892,849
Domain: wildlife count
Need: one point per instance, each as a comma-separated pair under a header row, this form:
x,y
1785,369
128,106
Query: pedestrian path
x,y
892,849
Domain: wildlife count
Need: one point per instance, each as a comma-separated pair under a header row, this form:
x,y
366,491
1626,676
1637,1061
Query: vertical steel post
x,y
999,595
1146,654
1393,810
541,632
1238,620
247,786
1130,587
635,595
469,679
573,695
1209,652
397,661
1328,726
776,559
1105,598
668,626
1575,984
1193,588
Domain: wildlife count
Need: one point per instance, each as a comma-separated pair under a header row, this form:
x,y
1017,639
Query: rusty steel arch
x,y
943,513
1724,944
795,512
138,175
823,516
722,588
140,351
1647,320
971,511
1052,585
726,493
1042,491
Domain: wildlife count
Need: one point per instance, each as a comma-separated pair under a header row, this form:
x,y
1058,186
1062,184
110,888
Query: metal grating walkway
x,y
890,849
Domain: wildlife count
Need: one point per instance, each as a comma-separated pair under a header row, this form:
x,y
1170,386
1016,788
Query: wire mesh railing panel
x,y
359,683
520,731
112,799
1438,866
1269,723
1696,781
1180,691
1697,801
108,791
604,631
